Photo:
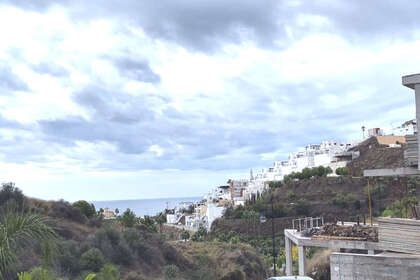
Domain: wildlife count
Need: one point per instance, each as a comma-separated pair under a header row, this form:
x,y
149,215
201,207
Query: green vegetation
x,y
185,235
346,200
342,171
92,259
87,209
20,230
56,240
308,173
128,218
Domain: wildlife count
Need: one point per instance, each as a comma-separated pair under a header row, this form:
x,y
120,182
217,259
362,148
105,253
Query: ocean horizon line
x,y
157,198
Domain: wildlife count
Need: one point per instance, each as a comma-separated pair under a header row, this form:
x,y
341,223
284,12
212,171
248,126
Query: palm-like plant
x,y
18,230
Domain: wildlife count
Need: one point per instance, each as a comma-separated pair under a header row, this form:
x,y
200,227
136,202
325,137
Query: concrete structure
x,y
392,266
413,82
400,235
407,128
292,236
375,132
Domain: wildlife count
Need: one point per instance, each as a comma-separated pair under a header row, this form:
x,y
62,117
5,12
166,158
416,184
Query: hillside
x,y
87,243
375,156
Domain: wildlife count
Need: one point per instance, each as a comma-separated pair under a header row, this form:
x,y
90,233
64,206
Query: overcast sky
x,y
143,99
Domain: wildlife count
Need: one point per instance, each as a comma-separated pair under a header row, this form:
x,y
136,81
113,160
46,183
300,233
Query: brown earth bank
x,y
375,156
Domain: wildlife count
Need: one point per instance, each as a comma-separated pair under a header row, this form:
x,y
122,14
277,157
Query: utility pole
x,y
272,235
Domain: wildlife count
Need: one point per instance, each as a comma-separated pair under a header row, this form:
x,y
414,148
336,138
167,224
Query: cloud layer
x,y
202,87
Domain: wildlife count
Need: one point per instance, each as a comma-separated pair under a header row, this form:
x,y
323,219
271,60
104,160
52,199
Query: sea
x,y
144,207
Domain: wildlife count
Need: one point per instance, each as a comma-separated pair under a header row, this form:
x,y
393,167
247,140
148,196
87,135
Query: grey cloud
x,y
205,25
9,81
136,70
50,68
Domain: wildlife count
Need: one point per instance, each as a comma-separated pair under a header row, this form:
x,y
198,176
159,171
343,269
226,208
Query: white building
x,y
213,212
327,154
407,128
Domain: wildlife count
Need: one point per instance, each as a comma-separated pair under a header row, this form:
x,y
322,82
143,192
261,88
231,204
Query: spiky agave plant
x,y
20,230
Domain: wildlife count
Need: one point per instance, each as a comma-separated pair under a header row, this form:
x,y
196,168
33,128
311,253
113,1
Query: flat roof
x,y
300,240
411,80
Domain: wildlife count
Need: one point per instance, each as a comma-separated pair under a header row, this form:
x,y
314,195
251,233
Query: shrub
x,y
302,207
136,242
200,234
109,272
342,171
68,257
275,185
40,273
128,218
87,209
11,195
234,275
345,200
63,210
133,276
185,235
92,259
171,272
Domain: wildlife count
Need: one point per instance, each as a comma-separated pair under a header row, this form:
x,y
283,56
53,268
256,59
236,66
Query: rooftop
x,y
411,80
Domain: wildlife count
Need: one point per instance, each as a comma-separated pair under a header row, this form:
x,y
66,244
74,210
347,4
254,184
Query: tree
x,y
185,235
92,259
9,194
200,234
128,218
87,209
160,220
117,211
20,230
148,223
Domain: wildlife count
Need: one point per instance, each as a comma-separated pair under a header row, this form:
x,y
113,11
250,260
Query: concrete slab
x,y
299,240
346,266
403,172
411,80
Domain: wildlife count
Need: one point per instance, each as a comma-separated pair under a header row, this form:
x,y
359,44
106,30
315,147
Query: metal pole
x,y
272,234
370,204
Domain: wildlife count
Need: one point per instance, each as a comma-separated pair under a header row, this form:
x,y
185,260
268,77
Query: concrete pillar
x,y
302,260
413,82
371,252
289,259
417,91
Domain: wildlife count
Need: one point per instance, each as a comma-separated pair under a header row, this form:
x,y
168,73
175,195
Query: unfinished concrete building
x,y
396,252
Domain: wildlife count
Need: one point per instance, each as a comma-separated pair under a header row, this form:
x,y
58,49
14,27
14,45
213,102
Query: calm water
x,y
144,206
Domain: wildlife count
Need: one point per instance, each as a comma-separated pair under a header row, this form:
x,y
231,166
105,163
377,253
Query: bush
x,y
342,171
345,200
302,207
133,276
113,245
40,273
92,259
87,209
9,194
171,272
185,235
234,275
308,173
128,218
275,185
109,272
68,258
200,234
63,210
